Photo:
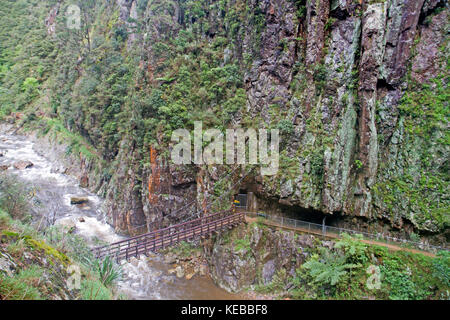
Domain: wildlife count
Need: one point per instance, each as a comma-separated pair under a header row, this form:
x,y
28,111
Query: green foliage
x,y
328,269
421,186
15,196
441,267
22,286
108,270
286,130
92,289
398,278
68,243
184,249
354,249
426,107
242,244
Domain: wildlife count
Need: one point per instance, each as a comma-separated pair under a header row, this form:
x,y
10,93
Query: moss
x,y
10,234
49,250
415,186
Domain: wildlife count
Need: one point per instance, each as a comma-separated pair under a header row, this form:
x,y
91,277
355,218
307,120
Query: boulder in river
x,y
78,200
23,164
4,167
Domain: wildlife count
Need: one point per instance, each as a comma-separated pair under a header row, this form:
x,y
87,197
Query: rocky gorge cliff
x,y
358,90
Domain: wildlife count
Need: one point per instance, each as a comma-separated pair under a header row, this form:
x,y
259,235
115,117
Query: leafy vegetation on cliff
x,y
360,271
136,70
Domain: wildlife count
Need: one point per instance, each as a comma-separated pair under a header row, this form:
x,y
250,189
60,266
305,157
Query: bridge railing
x,y
329,230
156,234
158,239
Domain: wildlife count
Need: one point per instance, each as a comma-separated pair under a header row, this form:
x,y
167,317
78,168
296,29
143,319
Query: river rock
x,y
23,164
171,271
4,167
189,276
78,200
81,219
179,272
266,253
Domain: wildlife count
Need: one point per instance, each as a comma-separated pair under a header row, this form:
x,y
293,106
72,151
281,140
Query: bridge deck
x,y
156,240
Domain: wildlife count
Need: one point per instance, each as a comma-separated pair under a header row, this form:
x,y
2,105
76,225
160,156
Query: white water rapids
x,y
144,278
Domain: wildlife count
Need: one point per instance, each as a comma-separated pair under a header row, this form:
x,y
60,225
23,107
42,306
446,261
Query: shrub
x,y
14,196
354,249
441,267
329,268
107,269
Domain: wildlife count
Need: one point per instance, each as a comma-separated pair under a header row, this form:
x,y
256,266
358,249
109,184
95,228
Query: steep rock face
x,y
357,88
268,79
169,193
334,152
415,155
426,64
372,51
337,72
123,201
251,254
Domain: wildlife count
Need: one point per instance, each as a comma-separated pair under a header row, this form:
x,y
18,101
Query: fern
x,y
328,270
354,249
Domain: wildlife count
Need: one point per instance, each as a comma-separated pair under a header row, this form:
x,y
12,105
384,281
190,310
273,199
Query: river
x,y
143,278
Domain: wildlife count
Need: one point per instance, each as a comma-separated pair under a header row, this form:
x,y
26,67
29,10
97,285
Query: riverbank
x,y
51,264
52,187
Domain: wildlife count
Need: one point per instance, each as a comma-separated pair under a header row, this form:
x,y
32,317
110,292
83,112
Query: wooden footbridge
x,y
159,239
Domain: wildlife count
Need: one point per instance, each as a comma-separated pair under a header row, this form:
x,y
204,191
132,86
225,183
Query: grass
x,y
23,286
50,262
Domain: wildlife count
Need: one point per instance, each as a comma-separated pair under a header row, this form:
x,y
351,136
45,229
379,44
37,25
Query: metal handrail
x,y
297,223
158,231
171,235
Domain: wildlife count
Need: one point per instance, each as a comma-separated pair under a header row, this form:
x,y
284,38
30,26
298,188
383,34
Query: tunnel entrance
x,y
241,200
307,214
278,208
